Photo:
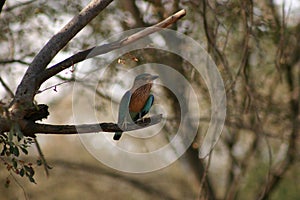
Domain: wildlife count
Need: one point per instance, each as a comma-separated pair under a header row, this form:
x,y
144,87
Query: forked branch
x,y
105,48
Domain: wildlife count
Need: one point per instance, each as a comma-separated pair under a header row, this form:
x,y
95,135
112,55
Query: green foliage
x,y
13,146
253,180
290,186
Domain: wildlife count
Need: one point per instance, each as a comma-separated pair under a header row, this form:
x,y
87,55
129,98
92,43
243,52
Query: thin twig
x,y
18,5
247,22
204,176
8,61
21,186
44,162
211,40
105,48
8,90
90,87
53,86
29,84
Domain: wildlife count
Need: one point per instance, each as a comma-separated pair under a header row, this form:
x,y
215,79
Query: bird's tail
x,y
117,135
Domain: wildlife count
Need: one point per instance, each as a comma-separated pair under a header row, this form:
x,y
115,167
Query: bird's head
x,y
144,79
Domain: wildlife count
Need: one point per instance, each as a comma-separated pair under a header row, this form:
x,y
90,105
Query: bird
x,y
136,102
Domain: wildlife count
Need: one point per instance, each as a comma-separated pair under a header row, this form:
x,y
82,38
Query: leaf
x,y
39,162
22,172
29,173
29,170
16,151
31,179
11,148
3,150
15,163
24,150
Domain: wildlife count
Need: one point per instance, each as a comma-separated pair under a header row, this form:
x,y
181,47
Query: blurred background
x,y
255,45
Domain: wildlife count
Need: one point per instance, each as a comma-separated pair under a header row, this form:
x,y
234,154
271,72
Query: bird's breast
x,y
139,98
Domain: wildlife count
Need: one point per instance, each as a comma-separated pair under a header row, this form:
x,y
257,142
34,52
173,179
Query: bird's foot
x,y
141,120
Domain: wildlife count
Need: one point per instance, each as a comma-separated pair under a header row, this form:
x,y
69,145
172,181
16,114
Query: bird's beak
x,y
154,77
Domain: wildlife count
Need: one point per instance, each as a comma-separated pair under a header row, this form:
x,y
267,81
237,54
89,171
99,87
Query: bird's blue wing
x,y
123,112
146,108
148,105
124,107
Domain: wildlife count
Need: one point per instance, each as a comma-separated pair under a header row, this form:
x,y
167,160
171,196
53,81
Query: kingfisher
x,y
136,102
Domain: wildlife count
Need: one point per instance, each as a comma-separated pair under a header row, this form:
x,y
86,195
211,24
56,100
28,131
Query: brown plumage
x,y
139,97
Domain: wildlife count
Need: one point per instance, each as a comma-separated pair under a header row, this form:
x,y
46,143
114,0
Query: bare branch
x,y
97,91
247,22
17,5
14,61
211,39
103,49
20,185
28,86
31,128
2,2
8,90
135,12
53,86
42,157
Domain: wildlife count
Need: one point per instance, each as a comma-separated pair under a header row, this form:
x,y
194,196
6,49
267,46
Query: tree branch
x,y
28,86
8,9
211,40
99,50
8,61
2,2
8,90
32,128
131,7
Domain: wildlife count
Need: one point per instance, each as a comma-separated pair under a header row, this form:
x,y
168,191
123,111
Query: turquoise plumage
x,y
136,102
